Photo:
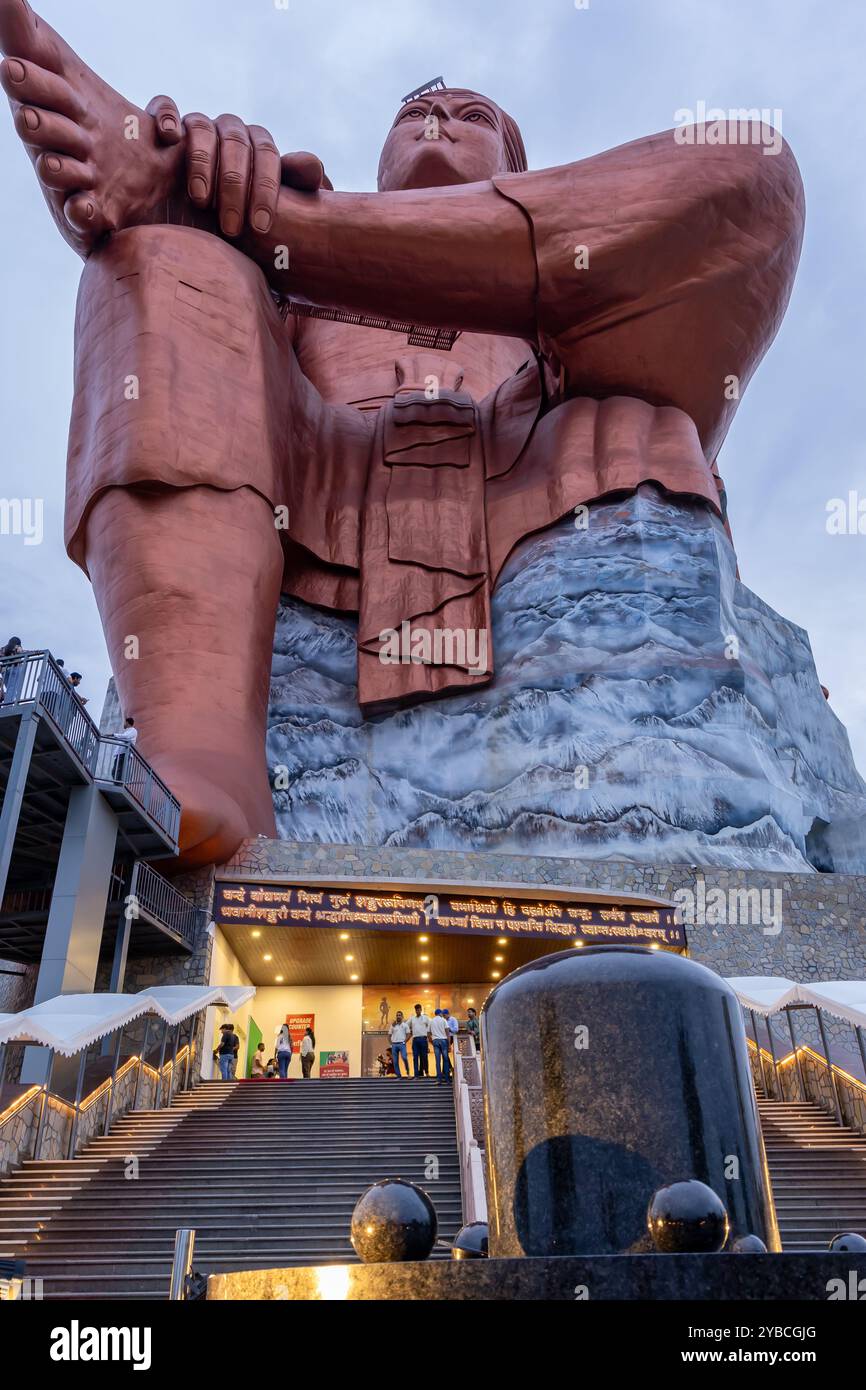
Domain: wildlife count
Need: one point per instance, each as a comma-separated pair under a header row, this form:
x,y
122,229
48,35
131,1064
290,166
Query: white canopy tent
x,y
72,1022
762,993
767,994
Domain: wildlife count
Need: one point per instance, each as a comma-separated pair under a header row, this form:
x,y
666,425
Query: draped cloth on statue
x,y
410,517
446,503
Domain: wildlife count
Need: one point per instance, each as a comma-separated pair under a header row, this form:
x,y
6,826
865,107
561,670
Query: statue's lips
x,y
443,135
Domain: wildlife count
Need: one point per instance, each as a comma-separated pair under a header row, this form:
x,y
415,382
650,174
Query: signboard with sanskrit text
x,y
469,914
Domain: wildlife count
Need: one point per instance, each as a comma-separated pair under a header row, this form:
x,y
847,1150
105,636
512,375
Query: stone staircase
x,y
266,1173
818,1173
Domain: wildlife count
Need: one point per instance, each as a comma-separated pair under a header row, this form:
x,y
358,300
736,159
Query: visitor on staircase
x,y
399,1034
284,1051
258,1067
227,1052
441,1035
308,1053
420,1029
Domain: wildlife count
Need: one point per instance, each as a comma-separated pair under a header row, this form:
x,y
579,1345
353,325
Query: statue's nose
x,y
440,111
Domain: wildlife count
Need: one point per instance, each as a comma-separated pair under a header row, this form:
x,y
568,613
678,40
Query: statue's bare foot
x,y
98,156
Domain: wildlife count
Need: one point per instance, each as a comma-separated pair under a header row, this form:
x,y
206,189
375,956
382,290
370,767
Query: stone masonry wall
x,y
820,933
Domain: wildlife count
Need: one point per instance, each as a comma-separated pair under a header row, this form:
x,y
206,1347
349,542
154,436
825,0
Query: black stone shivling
x,y
611,1072
393,1220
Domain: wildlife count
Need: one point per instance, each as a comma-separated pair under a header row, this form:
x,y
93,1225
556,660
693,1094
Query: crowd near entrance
x,y
411,1032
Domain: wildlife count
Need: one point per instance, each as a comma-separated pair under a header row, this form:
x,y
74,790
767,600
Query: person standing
x,y
308,1053
227,1052
419,1026
284,1051
12,676
473,1027
441,1035
128,737
399,1034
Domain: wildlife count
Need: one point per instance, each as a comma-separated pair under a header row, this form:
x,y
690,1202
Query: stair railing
x,y
37,1109
467,1089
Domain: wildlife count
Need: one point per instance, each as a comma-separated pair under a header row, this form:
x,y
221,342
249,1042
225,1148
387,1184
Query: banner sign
x,y
298,1025
333,1064
251,904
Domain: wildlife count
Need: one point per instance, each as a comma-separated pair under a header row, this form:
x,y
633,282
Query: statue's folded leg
x,y
176,451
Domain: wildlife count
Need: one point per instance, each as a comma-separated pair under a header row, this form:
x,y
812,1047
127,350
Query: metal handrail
x,y
472,1183
151,893
36,679
43,1095
120,763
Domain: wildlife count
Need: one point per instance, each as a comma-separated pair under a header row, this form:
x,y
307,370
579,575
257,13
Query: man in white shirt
x,y
441,1035
419,1027
399,1034
129,733
129,737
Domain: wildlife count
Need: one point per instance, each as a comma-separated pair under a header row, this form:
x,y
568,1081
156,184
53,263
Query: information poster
x,y
333,1064
298,1025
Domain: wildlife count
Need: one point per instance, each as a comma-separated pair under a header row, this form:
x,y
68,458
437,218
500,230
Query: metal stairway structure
x,y
266,1173
817,1171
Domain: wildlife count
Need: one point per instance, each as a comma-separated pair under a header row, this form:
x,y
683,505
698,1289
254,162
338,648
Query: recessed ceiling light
x,y
496,974
503,941
425,976
256,933
424,958
267,957
470,1001
353,977
279,979
350,957
423,939
499,959
344,936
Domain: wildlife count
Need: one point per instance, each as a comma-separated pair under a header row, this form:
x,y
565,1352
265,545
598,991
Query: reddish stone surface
x,y
401,477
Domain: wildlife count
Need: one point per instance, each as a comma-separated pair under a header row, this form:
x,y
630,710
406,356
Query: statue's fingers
x,y
304,171
83,213
201,158
30,84
266,181
47,130
236,161
169,127
64,175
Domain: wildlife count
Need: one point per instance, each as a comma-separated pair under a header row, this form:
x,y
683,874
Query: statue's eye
x,y
415,112
478,116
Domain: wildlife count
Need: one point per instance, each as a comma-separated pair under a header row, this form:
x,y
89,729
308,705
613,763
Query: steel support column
x,y
10,810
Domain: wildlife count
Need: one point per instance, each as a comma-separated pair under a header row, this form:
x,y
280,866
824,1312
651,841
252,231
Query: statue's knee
x,y
157,259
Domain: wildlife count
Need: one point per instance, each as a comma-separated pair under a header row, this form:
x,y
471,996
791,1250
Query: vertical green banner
x,y
254,1037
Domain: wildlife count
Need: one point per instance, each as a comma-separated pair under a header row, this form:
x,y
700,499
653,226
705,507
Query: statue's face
x,y
443,138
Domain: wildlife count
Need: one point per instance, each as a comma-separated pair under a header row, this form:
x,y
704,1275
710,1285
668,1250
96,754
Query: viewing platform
x,y
81,818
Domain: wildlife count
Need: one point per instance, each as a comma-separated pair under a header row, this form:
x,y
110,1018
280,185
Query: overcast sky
x,y
328,76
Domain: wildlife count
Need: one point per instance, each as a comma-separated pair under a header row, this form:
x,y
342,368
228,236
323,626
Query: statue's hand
x,y
96,154
236,168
